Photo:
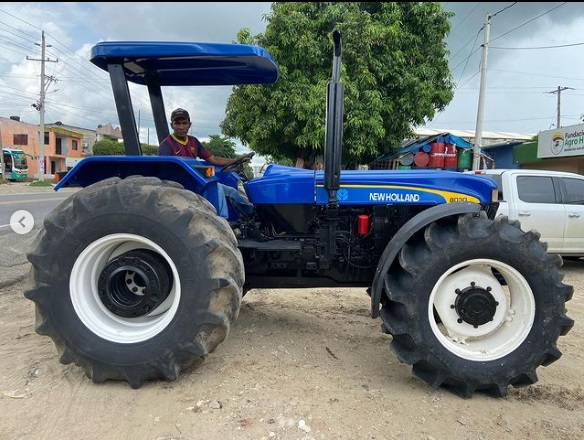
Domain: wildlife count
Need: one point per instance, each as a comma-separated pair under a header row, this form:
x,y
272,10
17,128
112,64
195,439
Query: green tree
x,y
108,147
111,147
220,146
149,150
224,147
394,70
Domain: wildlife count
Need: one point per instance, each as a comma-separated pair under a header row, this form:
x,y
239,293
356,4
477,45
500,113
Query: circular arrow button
x,y
21,222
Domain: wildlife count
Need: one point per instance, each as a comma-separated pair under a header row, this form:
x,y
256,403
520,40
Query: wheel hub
x,y
135,283
475,305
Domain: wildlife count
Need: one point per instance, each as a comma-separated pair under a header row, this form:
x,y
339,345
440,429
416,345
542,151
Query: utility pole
x,y
40,106
559,92
479,127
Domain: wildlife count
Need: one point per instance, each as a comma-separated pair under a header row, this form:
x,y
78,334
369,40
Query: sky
x,y
534,50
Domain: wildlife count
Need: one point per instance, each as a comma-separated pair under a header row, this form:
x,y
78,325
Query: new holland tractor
x,y
135,277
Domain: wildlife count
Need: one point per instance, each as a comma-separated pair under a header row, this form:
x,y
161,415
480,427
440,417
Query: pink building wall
x,y
53,161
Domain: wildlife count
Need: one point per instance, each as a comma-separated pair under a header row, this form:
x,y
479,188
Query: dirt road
x,y
298,364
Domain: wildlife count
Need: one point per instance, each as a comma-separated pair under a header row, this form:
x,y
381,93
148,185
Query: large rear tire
x,y
476,305
135,279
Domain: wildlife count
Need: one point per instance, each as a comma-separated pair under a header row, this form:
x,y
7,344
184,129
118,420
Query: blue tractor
x,y
135,277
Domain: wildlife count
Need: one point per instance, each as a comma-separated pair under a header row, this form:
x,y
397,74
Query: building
x,y
88,139
555,150
17,134
64,145
108,132
62,148
558,149
496,150
438,150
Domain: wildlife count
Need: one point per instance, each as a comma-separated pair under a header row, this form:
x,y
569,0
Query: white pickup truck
x,y
551,202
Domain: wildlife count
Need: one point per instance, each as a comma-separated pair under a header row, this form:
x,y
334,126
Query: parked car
x,y
551,202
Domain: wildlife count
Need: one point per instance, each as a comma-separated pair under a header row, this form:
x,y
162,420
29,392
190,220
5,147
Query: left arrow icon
x,y
22,222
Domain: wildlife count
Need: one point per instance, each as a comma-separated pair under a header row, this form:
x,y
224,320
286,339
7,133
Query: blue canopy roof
x,y
188,63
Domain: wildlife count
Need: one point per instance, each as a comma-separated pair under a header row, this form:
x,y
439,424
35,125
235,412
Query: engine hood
x,y
281,184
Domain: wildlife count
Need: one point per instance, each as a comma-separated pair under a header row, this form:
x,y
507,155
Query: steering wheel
x,y
237,164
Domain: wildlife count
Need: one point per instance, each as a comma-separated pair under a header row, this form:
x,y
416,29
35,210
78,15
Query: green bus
x,y
15,164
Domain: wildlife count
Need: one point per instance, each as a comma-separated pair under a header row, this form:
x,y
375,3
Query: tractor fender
x,y
190,173
412,226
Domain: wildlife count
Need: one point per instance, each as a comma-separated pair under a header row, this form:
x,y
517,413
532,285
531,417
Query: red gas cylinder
x,y
437,154
450,157
421,159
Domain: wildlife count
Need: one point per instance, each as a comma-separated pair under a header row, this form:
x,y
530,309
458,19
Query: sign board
x,y
567,141
71,161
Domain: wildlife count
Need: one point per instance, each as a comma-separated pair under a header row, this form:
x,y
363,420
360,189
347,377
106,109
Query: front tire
x,y
476,305
135,280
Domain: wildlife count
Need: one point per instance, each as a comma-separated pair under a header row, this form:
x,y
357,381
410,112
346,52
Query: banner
x,y
567,141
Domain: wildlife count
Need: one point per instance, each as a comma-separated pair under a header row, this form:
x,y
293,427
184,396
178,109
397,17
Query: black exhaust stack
x,y
332,154
334,126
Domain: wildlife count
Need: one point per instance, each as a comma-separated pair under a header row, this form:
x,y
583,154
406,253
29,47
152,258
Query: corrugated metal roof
x,y
486,135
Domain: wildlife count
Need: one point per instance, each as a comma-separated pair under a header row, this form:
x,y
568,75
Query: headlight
x,y
494,195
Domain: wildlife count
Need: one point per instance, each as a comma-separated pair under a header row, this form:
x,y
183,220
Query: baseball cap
x,y
179,113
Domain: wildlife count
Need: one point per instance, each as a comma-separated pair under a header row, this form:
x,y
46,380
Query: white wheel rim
x,y
83,288
511,322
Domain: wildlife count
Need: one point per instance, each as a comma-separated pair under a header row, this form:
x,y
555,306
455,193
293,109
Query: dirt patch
x,y
298,364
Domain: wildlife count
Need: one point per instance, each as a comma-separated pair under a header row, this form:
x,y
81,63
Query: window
x,y
536,189
499,181
20,139
46,138
574,191
74,144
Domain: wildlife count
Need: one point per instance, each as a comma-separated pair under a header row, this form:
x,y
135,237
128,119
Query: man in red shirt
x,y
180,143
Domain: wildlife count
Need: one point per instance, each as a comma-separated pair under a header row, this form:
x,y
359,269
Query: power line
x,y
537,74
540,47
467,15
506,33
528,21
504,9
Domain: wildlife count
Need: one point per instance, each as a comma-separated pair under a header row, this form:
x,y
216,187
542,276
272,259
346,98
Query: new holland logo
x,y
394,197
342,194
